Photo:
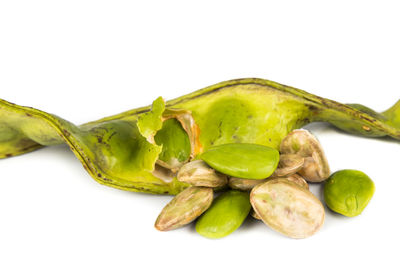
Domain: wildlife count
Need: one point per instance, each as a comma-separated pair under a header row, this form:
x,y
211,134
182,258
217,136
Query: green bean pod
x,y
124,151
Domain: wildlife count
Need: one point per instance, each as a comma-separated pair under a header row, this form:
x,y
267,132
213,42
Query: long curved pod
x,y
120,151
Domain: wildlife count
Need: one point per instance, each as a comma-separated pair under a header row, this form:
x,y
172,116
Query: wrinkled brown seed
x,y
288,164
198,173
184,208
303,143
312,170
288,208
243,184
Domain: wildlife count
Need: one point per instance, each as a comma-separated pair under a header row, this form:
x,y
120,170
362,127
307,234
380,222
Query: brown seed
x,y
184,208
198,173
243,184
295,178
303,143
311,170
288,164
288,208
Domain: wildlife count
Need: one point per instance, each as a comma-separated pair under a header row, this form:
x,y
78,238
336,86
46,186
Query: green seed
x,y
175,144
348,192
242,160
225,215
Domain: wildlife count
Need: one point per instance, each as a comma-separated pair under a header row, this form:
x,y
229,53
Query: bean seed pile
x,y
270,185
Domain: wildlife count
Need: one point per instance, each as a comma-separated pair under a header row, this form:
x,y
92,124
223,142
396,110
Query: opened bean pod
x,y
238,124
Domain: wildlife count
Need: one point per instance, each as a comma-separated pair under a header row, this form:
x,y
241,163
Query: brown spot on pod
x,y
66,133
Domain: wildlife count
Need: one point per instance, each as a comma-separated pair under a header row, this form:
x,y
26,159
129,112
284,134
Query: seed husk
x,y
288,208
198,173
243,184
242,160
184,208
306,145
288,164
225,215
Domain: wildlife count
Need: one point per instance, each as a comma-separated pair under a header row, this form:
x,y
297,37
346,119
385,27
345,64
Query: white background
x,y
84,60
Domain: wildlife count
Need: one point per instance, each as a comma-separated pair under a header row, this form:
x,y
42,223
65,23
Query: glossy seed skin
x,y
225,215
184,208
242,160
288,208
348,192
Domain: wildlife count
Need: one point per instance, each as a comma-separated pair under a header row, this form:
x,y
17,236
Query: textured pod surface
x,y
243,184
225,215
198,173
288,208
243,160
184,208
348,192
289,164
301,142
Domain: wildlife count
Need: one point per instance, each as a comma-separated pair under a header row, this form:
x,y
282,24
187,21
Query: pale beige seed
x,y
303,143
296,178
288,208
243,184
288,164
198,173
184,208
255,215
